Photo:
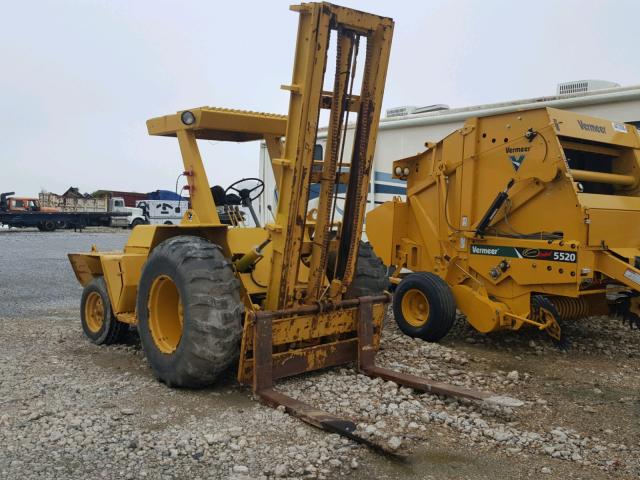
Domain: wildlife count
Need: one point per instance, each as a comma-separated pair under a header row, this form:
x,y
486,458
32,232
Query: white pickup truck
x,y
136,215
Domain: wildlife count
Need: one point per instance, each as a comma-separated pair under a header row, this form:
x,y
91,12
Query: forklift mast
x,y
296,235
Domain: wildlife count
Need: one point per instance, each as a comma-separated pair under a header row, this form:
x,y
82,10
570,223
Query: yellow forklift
x,y
295,295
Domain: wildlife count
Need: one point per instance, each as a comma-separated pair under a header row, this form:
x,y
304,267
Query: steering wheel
x,y
247,193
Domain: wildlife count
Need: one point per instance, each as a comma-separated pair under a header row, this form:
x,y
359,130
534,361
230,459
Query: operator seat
x,y
218,195
221,199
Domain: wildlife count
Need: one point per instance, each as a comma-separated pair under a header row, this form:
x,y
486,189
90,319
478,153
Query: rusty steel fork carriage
x,y
361,350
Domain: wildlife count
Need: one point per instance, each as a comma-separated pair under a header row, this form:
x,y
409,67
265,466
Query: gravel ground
x,y
69,409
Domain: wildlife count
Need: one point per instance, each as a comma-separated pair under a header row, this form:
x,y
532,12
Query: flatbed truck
x,y
27,212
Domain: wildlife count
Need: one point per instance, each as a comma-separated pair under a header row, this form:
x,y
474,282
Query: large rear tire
x,y
189,312
370,277
424,307
371,274
98,321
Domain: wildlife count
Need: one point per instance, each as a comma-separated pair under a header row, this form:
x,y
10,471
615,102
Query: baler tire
x,y
441,312
370,277
210,307
111,330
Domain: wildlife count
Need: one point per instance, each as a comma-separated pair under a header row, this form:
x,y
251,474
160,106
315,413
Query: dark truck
x,y
23,212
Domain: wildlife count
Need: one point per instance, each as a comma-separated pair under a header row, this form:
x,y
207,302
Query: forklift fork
x,y
263,384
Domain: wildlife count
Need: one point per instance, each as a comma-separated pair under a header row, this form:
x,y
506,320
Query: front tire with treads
x,y
189,312
424,307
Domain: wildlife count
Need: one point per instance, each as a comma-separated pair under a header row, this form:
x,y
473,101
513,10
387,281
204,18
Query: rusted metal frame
x,y
296,362
302,328
263,375
341,177
366,364
319,418
321,307
303,358
319,251
374,75
361,22
353,196
262,352
353,68
304,107
352,102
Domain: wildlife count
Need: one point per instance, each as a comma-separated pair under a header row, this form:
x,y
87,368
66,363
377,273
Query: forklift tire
x,y
371,274
98,321
189,312
424,307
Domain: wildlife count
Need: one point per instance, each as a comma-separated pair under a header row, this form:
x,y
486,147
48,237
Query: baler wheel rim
x,y
415,308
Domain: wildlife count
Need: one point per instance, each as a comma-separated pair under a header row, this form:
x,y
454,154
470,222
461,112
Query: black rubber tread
x,y
47,226
370,277
136,222
212,311
112,331
442,306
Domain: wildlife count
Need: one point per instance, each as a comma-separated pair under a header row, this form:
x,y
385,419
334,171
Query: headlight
x,y
188,118
406,171
398,171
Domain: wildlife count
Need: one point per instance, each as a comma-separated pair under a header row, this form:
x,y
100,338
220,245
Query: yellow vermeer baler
x,y
525,218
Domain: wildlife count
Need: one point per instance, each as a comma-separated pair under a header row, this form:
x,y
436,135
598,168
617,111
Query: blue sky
x,y
80,78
